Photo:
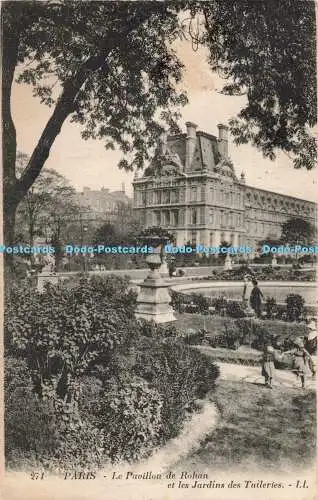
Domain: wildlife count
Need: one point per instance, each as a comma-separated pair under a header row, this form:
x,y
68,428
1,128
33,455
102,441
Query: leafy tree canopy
x,y
155,235
269,241
266,49
106,235
298,231
48,199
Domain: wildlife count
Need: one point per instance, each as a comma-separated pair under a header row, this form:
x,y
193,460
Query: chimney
x,y
242,178
223,140
123,187
191,140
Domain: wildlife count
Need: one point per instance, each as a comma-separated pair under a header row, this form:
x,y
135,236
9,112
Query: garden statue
x,y
227,263
49,265
274,261
47,273
164,270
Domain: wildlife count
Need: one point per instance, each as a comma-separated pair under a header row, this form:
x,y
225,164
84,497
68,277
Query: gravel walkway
x,y
252,374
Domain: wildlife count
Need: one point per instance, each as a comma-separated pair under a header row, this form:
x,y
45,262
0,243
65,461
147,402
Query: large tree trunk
x,y
9,212
10,41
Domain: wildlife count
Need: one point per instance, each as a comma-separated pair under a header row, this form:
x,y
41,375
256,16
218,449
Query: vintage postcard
x,y
159,252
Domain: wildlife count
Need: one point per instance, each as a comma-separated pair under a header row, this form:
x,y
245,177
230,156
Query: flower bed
x,y
265,273
294,308
220,332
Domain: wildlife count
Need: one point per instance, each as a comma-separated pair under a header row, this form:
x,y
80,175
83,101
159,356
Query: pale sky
x,y
87,163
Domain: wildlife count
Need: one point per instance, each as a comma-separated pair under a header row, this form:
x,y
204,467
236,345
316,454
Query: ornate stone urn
x,y
153,301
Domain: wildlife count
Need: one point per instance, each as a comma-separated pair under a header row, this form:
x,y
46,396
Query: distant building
x,y
191,189
103,204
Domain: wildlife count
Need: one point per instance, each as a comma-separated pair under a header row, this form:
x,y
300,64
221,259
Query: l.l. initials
x,y
302,484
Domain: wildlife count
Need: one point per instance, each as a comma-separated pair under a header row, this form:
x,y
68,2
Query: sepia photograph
x,y
159,249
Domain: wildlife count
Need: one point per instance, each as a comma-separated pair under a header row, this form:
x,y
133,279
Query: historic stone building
x,y
103,204
191,189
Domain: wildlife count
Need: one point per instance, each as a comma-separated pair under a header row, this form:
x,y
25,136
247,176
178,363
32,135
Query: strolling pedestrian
x,y
247,288
256,298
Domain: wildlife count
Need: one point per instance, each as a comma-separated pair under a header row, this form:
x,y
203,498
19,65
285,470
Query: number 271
x,y
37,475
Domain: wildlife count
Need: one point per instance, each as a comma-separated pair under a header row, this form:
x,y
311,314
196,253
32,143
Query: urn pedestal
x,y
153,301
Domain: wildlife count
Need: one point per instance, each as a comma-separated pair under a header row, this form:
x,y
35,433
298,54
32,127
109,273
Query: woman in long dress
x,y
247,288
256,298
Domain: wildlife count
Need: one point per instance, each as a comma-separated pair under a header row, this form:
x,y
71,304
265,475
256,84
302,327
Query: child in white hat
x,y
302,363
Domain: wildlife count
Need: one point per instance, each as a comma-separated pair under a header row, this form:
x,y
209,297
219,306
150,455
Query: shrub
x,y
179,374
200,301
27,423
128,415
295,306
80,344
178,300
46,434
64,331
194,338
235,309
231,337
271,307
220,304
181,302
154,330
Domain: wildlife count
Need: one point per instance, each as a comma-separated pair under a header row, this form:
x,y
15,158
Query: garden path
x,y
252,374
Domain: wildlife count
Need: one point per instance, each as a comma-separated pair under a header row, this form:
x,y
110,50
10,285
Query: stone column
x,y
217,238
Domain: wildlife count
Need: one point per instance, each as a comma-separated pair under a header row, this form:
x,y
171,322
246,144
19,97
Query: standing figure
x,y
246,291
303,363
256,298
268,367
311,338
172,267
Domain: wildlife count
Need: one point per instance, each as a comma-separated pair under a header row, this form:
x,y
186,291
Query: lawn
x,y
267,430
243,356
214,324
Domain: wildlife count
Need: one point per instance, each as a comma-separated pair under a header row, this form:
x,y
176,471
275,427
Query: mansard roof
x,y
173,158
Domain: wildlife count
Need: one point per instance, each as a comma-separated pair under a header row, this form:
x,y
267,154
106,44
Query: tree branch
x,y
64,107
66,102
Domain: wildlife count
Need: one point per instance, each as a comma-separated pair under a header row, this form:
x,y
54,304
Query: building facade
x,y
191,189
103,204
